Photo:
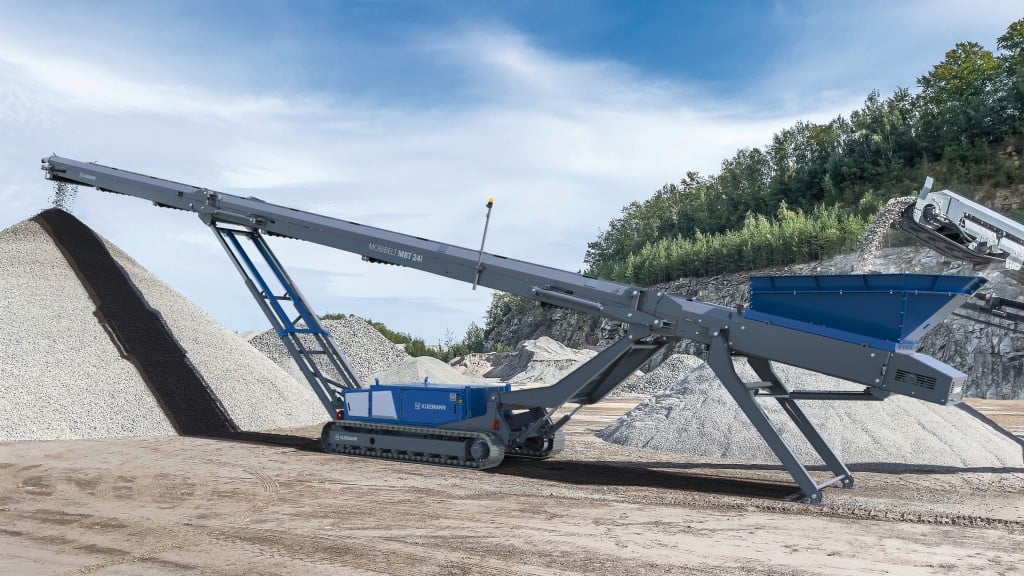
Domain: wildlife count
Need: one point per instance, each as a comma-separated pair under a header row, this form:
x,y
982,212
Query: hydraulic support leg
x,y
720,360
303,343
764,370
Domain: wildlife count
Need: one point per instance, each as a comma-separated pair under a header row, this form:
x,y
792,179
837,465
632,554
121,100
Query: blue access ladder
x,y
304,337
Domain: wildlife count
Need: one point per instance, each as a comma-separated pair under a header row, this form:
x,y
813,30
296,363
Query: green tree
x,y
1011,61
967,105
958,97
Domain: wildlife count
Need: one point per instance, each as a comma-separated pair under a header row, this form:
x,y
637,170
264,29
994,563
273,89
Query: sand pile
x,y
367,350
96,346
696,416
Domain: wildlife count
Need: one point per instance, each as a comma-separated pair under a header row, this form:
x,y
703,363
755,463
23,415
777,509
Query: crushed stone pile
x,y
414,370
62,377
367,350
697,417
476,364
72,366
138,330
541,361
662,378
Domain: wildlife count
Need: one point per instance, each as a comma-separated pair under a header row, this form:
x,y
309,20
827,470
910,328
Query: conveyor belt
x,y
877,350
138,330
940,243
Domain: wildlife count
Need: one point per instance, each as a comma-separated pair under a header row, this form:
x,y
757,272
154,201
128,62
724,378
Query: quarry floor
x,y
273,504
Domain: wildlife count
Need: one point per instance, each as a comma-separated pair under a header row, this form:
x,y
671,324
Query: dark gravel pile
x,y
137,330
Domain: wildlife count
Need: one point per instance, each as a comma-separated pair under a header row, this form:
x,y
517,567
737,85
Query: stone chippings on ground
x,y
366,349
693,414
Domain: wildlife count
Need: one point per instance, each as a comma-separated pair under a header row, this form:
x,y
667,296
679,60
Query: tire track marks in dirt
x,y
268,494
83,533
378,554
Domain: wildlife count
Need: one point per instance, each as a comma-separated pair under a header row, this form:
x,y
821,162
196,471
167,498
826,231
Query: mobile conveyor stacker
x,y
862,328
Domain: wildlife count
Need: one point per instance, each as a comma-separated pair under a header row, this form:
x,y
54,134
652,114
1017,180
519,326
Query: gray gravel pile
x,y
60,375
367,350
257,394
477,364
63,377
540,361
698,417
414,370
664,377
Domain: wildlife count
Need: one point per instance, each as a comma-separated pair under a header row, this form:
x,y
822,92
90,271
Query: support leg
x,y
721,362
764,370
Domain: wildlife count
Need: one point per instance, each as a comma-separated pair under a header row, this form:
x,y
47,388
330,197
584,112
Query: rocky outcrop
x,y
540,361
570,328
990,349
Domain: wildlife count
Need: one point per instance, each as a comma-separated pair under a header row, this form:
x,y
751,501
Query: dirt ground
x,y
274,504
1009,414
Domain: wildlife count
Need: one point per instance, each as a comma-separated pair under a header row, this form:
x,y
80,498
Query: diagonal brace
x,y
764,370
720,360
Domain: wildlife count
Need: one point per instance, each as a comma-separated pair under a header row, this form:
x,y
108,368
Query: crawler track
x,y
556,446
456,448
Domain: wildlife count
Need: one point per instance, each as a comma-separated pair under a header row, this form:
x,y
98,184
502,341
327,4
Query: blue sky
x,y
407,115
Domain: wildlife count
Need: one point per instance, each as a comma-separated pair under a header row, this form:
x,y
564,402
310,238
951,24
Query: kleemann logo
x,y
428,406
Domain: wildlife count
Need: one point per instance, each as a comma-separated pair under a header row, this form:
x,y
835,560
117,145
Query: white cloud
x,y
561,144
839,52
74,83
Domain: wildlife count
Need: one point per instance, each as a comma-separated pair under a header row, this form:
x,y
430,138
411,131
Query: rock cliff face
x,y
542,361
568,327
988,348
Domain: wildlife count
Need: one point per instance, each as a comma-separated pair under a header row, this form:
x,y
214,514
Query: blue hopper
x,y
886,311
